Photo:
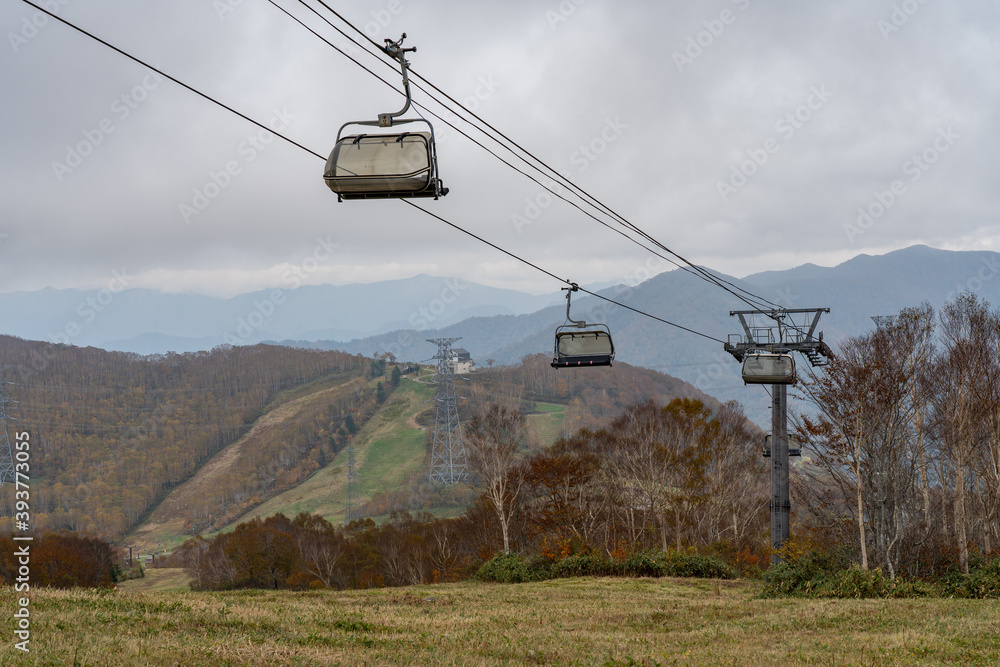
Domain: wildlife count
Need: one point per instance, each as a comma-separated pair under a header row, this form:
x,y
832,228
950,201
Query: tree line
x,y
677,477
905,434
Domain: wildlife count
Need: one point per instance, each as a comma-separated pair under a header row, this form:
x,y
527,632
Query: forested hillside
x,y
392,463
113,432
595,393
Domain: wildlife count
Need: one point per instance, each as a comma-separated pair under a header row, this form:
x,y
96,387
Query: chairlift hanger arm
x,y
569,290
396,51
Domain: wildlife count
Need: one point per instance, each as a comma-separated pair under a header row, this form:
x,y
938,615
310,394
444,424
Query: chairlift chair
x,y
580,344
397,165
768,368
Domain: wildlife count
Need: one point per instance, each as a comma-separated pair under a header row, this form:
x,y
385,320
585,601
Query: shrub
x,y
539,568
645,564
981,582
693,565
582,566
505,568
820,575
675,564
854,583
800,576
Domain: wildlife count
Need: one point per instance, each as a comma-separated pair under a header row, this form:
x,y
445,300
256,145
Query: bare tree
x,y
492,441
961,412
868,435
737,479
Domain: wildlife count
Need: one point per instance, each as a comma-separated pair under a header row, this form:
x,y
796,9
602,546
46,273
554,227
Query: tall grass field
x,y
582,621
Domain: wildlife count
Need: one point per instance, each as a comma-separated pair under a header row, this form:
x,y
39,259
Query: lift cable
x,y
568,282
555,175
174,79
472,139
308,150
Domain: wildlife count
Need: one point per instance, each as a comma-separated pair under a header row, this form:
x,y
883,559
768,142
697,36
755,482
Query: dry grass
x,y
160,579
561,622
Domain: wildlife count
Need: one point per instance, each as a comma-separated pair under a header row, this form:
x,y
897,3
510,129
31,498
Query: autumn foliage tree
x,y
62,560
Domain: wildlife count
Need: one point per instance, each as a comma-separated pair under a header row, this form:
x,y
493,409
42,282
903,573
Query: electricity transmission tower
x,y
353,509
791,337
882,321
448,462
6,453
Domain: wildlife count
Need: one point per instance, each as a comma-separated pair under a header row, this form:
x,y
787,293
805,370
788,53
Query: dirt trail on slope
x,y
168,517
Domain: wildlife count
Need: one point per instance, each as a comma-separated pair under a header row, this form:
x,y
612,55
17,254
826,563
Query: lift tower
x,y
448,462
796,332
352,506
7,469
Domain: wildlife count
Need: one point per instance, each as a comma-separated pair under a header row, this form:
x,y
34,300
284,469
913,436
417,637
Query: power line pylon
x,y
792,337
6,453
352,511
448,462
883,321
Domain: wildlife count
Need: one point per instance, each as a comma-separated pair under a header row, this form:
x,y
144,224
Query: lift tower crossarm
x,y
807,341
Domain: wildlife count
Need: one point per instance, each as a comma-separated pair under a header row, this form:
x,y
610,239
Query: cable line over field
x,y
319,155
547,170
551,191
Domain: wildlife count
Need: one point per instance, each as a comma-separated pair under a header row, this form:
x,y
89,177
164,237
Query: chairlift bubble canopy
x,y
386,164
768,368
576,348
580,344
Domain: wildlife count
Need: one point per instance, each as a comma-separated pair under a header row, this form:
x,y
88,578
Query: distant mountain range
x,y
854,291
504,325
147,322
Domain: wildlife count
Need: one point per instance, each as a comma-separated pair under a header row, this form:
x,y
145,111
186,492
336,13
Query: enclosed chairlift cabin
x,y
581,344
397,165
768,368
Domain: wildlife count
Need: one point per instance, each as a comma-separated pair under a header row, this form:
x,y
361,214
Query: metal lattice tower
x,y
448,462
353,509
882,321
6,453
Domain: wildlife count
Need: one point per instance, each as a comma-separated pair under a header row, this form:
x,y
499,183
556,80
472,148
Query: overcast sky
x,y
745,135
